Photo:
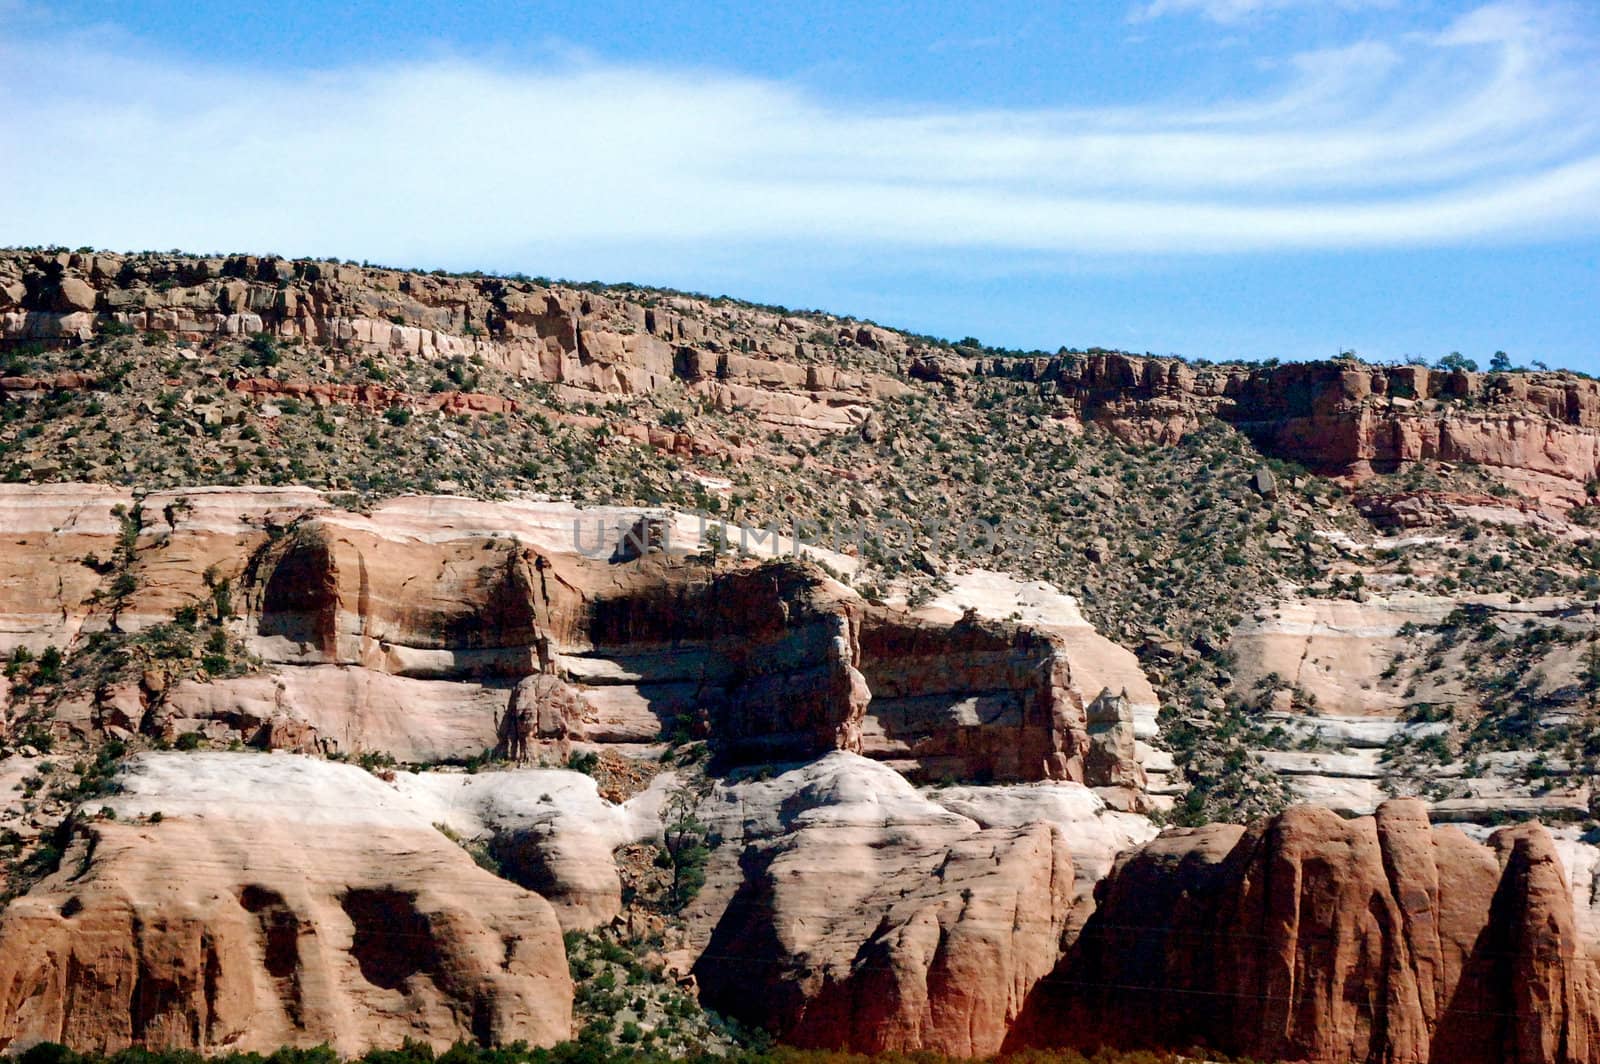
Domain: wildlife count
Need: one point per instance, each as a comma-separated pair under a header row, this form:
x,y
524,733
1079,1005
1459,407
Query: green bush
x,y
49,667
263,351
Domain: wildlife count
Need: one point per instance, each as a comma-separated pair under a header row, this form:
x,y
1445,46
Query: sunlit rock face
x,y
1312,938
274,901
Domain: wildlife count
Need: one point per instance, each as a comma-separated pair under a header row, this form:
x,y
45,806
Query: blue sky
x,y
1216,178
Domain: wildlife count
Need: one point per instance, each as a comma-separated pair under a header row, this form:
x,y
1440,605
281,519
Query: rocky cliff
x,y
1539,432
1308,937
446,616
186,916
583,343
436,630
408,631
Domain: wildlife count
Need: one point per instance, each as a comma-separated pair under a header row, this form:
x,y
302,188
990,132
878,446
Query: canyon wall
x,y
583,344
1540,432
926,825
359,652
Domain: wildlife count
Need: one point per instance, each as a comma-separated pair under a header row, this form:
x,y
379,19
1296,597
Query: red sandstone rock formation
x,y
866,917
404,630
1311,938
218,933
1539,431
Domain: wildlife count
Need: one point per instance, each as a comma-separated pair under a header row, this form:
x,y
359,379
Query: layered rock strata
x,y
1537,431
412,630
1540,432
582,343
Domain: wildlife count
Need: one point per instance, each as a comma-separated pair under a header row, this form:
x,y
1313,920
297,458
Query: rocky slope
x,y
526,557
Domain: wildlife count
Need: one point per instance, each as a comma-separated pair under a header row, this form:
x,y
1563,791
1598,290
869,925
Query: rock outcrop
x,y
542,708
582,343
302,914
846,910
1539,432
242,901
1311,938
438,628
238,901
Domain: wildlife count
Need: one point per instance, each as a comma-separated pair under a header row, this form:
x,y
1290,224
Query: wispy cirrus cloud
x,y
1483,130
1229,12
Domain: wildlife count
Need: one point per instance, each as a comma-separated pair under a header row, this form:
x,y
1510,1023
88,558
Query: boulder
x,y
1112,759
542,707
939,369
74,294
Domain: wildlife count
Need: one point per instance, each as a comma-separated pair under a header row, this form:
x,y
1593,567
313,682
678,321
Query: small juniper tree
x,y
684,848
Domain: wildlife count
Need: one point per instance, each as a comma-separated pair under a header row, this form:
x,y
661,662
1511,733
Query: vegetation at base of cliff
x,y
594,1051
624,998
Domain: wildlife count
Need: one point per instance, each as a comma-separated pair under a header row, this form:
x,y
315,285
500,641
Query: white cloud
x,y
1229,12
1485,130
